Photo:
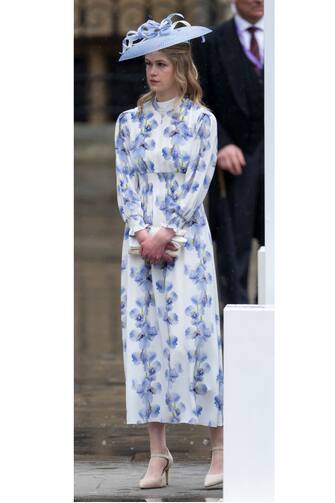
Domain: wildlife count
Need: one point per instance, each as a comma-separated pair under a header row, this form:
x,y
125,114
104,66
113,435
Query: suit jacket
x,y
232,89
234,93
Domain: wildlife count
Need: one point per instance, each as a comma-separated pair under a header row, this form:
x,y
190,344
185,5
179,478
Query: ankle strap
x,y
160,456
217,448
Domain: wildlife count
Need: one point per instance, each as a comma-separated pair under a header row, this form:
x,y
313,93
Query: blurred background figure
x,y
232,76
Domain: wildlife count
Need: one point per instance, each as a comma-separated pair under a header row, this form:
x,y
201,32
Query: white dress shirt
x,y
245,36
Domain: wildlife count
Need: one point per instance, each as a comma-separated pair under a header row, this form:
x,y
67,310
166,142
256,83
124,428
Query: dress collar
x,y
165,106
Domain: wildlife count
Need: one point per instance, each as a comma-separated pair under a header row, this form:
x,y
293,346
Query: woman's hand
x,y
153,247
141,235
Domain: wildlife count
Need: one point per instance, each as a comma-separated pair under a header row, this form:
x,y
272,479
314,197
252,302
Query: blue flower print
x,y
204,130
144,335
165,203
200,276
203,254
123,309
153,368
200,300
179,116
147,122
160,285
149,412
147,389
148,360
174,407
198,388
180,159
197,411
218,402
195,315
172,374
178,133
122,140
187,187
142,276
171,297
172,342
197,166
199,333
130,199
168,317
194,242
142,168
201,371
166,354
138,315
140,145
219,377
191,355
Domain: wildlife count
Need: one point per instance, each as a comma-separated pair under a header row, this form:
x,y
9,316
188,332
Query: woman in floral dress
x,y
166,150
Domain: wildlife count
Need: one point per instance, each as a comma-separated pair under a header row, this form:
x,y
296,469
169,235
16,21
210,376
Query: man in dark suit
x,y
231,72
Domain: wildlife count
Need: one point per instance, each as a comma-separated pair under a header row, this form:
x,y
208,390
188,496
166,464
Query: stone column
x,y
97,87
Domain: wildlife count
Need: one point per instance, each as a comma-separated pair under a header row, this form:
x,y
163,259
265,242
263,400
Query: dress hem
x,y
170,422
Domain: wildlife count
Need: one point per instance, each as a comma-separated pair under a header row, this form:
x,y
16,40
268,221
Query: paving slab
x,y
117,480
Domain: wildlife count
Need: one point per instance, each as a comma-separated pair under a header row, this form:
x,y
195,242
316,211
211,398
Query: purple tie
x,y
254,47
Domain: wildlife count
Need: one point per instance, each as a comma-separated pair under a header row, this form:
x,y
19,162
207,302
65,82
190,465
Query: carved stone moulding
x,y
196,12
158,9
130,14
98,18
93,18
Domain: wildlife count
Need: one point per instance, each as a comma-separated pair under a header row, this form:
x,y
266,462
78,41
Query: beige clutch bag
x,y
178,240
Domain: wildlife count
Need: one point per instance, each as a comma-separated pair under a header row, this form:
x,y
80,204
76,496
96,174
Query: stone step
x,y
94,143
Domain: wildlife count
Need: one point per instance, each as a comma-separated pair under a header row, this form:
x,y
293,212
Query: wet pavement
x,y
117,480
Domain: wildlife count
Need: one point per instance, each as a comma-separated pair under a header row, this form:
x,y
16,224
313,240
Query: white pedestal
x,y
261,275
248,403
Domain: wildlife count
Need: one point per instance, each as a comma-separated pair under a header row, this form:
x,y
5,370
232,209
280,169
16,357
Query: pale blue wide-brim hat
x,y
153,36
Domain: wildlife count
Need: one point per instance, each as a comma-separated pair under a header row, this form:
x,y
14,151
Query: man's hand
x,y
230,158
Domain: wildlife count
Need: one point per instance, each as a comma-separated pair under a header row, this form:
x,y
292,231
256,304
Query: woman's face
x,y
160,72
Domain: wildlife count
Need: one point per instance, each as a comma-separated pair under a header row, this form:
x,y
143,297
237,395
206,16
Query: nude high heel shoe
x,y
147,483
216,478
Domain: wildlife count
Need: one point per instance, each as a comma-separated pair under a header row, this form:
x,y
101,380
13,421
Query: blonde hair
x,y
186,75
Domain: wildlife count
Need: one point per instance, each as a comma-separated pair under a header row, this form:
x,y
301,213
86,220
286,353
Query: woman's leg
x,y
157,440
217,455
157,437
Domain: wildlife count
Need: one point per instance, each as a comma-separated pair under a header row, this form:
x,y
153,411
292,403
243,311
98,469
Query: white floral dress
x,y
172,345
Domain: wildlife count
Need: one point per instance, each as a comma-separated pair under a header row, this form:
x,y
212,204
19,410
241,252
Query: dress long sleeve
x,y
128,199
181,208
